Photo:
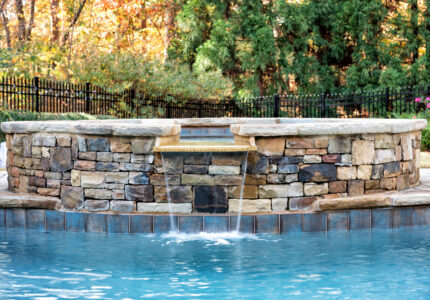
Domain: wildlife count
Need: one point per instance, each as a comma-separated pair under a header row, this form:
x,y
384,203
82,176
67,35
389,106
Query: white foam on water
x,y
221,238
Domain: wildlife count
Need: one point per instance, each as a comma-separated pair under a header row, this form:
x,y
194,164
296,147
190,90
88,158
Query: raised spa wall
x,y
101,167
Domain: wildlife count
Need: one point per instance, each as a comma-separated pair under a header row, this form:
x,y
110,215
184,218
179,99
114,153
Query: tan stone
x,y
36,152
314,189
250,206
294,152
116,177
294,189
88,155
120,145
355,188
142,146
227,179
92,179
321,142
64,141
255,179
384,156
45,152
346,173
388,183
402,182
224,170
85,165
312,159
384,141
337,187
279,204
179,208
302,203
118,194
159,179
178,194
75,178
354,202
48,192
270,146
98,194
273,168
363,152
218,159
299,143
407,150
316,151
121,157
249,191
371,184
364,172
195,179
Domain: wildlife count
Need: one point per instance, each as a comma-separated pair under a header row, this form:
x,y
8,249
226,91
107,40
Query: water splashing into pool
x,y
173,227
242,187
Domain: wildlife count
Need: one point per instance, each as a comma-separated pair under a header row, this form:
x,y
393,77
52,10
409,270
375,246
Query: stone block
x,y
224,170
97,205
249,191
194,179
388,183
42,140
84,165
17,140
377,171
122,206
45,152
210,199
321,142
76,178
318,173
402,182
279,204
384,156
398,153
53,183
18,151
337,187
291,178
107,166
197,158
314,189
257,164
159,179
141,158
173,163
273,168
371,184
104,156
339,145
302,203
64,141
407,149
384,141
286,160
178,194
142,193
364,172
98,144
294,152
52,175
312,159
255,179
392,169
270,146
195,169
118,195
121,157
72,197
363,152
36,152
60,159
135,167
288,169
36,181
98,194
116,177
331,158
301,143
250,206
227,179
316,151
120,145
346,173
177,208
138,178
88,155
81,143
92,179
142,145
225,159
355,188
48,192
294,189
275,178
345,160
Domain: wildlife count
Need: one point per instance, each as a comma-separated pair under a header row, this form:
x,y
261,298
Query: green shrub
x,y
16,115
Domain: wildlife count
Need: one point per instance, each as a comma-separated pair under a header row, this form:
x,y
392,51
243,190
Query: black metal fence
x,y
39,95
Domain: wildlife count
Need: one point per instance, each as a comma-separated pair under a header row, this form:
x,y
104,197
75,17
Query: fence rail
x,y
40,95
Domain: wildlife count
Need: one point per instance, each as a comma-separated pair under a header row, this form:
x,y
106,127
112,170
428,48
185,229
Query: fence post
x,y
276,106
36,89
87,97
168,111
322,112
132,104
200,109
387,101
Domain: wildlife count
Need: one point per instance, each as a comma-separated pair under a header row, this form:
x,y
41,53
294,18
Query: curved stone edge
x,y
22,200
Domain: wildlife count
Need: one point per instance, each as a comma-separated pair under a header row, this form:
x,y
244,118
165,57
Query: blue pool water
x,y
378,264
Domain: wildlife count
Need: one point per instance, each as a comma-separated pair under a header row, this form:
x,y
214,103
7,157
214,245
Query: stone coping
x,y
108,223
239,126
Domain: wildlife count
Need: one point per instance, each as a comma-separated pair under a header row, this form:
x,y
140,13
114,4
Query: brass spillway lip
x,y
203,146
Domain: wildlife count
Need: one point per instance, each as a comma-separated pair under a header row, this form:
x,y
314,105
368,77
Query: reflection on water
x,y
361,264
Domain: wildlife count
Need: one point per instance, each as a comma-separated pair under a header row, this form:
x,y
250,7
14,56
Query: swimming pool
x,y
376,264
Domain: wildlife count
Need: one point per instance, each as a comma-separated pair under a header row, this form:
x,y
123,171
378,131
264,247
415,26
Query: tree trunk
x,y
31,21
415,30
19,10
55,30
72,24
169,25
5,22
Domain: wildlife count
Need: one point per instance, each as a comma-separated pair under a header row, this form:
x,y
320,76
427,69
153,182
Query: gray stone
x,y
26,144
98,144
318,173
288,169
52,175
312,159
92,179
97,205
210,199
224,170
384,155
138,178
177,208
104,156
98,194
87,155
204,158
72,197
195,169
142,146
275,178
194,179
281,191
377,172
141,158
392,169
257,164
116,177
121,157
118,194
82,145
302,203
286,160
122,206
142,193
339,145
173,163
135,167
107,166
60,159
279,204
41,140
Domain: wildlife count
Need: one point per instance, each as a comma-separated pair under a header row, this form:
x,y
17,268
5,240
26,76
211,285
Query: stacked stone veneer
x,y
99,173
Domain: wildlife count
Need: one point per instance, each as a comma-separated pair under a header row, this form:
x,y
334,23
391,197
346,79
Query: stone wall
x,y
99,173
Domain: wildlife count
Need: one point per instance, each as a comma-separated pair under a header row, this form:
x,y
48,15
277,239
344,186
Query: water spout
x,y
242,187
173,227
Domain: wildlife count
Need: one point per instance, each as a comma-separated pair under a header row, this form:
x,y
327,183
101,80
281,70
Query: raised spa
x,y
292,163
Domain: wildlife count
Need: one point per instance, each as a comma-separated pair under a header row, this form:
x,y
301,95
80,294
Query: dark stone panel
x,y
75,221
288,169
143,193
191,224
117,223
95,223
98,144
210,199
422,215
197,158
314,222
267,224
246,224
162,224
403,217
337,220
15,217
35,219
195,169
55,220
60,159
215,224
291,223
286,160
359,219
381,218
107,166
257,164
140,224
392,169
318,173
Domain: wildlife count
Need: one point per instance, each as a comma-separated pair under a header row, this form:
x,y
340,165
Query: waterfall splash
x,y
173,227
242,187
